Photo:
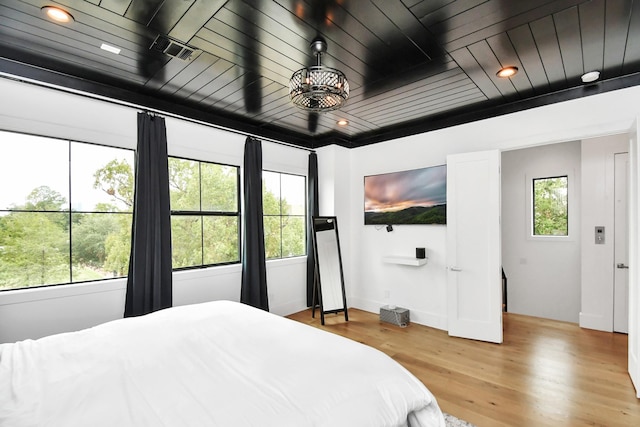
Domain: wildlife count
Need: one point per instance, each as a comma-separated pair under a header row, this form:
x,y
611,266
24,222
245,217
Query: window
x,y
284,202
205,216
65,211
551,206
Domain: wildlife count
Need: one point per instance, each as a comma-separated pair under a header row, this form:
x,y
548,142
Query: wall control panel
x,y
599,235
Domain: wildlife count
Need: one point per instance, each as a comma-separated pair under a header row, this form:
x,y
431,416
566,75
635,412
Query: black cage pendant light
x,y
318,88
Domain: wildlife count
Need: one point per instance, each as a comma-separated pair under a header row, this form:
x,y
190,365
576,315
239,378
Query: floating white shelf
x,y
405,260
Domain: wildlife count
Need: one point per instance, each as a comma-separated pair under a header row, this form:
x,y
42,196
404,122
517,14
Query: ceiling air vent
x,y
172,47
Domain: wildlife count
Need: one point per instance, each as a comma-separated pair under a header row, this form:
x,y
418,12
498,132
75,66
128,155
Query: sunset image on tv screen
x,y
416,196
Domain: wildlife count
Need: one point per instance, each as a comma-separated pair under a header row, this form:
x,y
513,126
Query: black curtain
x,y
149,286
312,210
254,271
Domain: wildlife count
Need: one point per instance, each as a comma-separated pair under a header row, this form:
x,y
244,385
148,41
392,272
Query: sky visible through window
x,y
48,165
48,161
41,179
293,190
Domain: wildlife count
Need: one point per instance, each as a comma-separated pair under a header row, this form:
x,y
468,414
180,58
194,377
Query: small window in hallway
x,y
550,206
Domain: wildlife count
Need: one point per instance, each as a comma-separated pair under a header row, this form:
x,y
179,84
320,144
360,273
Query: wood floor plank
x,y
546,373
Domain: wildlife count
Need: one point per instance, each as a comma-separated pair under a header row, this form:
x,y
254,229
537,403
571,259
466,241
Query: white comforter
x,y
212,364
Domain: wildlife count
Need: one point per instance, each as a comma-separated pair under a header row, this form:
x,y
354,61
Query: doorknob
x,y
455,269
621,265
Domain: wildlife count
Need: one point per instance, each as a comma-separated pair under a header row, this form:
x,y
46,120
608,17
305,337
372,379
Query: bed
x,y
219,363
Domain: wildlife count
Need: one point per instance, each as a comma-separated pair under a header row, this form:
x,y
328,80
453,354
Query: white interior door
x,y
621,245
474,291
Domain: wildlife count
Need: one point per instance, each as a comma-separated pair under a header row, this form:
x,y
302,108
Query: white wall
x,y
543,272
333,200
423,289
37,312
634,258
33,313
598,203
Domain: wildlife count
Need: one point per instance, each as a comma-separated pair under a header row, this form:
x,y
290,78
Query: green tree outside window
x,y
283,203
65,211
205,215
550,206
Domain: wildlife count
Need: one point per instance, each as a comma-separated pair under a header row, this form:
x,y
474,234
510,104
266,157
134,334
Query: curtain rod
x,y
211,125
144,109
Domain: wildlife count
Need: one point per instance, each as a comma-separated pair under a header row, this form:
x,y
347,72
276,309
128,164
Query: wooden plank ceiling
x,y
413,65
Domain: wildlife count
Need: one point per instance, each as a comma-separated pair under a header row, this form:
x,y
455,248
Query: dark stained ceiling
x,y
413,65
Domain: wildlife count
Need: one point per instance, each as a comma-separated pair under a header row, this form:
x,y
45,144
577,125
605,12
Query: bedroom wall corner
x,y
334,183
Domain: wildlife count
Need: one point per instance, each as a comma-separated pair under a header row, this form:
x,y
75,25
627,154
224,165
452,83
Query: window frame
x,y
68,210
203,214
572,223
305,216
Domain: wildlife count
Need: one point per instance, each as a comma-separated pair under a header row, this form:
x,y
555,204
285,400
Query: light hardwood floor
x,y
546,373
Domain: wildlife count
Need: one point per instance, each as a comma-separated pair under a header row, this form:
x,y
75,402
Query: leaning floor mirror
x,y
329,277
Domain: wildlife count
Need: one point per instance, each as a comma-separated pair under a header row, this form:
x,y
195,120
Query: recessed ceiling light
x,y
342,122
591,76
507,71
57,14
110,48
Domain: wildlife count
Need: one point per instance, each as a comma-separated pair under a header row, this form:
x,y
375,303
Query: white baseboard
x,y
416,316
634,373
595,321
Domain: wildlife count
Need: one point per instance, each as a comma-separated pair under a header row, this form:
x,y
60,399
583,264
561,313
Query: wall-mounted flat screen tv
x,y
416,196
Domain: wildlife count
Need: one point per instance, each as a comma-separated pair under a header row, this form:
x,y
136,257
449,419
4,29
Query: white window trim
x,y
572,220
306,222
